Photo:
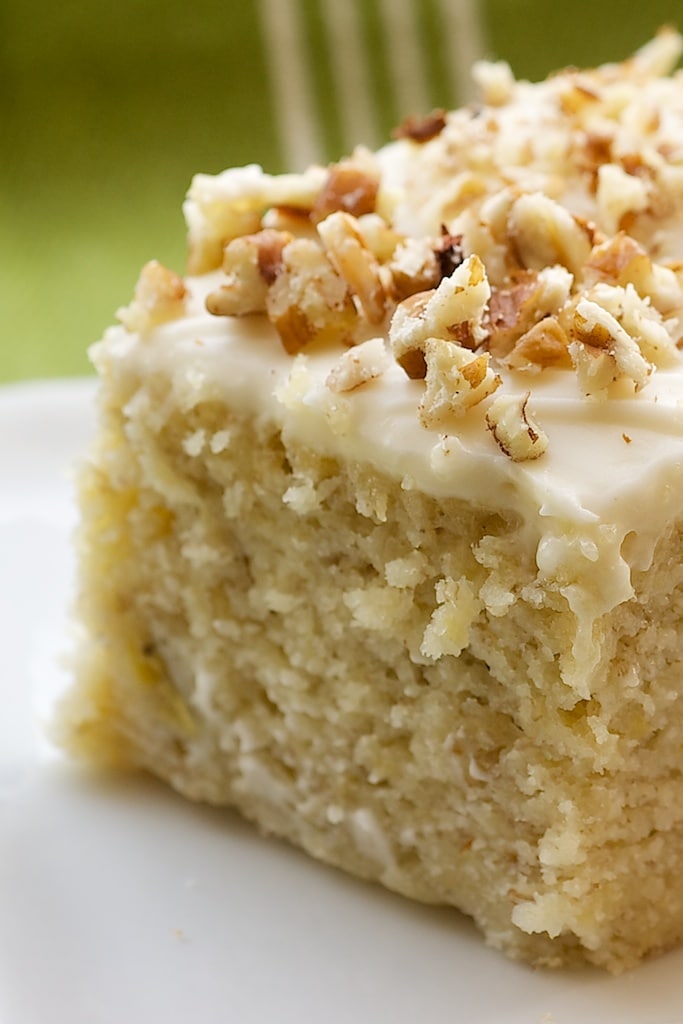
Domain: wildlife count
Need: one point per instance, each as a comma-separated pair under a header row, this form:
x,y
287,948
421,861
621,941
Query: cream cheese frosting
x,y
613,469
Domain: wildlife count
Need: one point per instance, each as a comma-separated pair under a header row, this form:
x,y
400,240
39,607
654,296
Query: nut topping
x,y
159,296
515,432
421,129
349,188
456,380
533,235
358,365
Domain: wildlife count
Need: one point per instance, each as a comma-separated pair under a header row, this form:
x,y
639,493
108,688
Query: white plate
x,y
122,904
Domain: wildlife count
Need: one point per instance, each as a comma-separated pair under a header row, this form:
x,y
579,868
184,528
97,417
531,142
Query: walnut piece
x,y
159,296
603,352
514,310
452,312
251,263
517,435
353,260
414,267
545,233
358,365
640,320
495,80
421,129
619,194
456,380
544,345
351,187
309,299
228,205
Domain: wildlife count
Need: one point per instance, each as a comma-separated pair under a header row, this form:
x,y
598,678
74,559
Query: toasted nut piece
x,y
353,260
544,345
449,252
358,365
544,233
496,81
457,380
603,352
596,369
619,194
295,220
517,435
620,260
251,264
159,296
414,267
309,300
380,238
640,320
227,205
349,187
455,311
514,310
579,94
421,129
659,56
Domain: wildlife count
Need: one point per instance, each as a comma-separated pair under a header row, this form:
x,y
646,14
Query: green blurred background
x,y
107,111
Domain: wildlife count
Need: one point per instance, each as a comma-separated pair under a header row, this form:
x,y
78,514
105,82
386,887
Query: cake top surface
x,y
490,307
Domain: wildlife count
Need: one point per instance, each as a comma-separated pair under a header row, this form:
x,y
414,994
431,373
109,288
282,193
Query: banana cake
x,y
382,529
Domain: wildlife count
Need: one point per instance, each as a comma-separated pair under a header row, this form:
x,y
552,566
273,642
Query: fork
x,y
344,72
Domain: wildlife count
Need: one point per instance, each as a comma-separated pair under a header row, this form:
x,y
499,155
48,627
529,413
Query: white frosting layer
x,y
613,469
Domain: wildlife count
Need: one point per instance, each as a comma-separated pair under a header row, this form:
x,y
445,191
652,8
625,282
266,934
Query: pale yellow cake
x,y
382,529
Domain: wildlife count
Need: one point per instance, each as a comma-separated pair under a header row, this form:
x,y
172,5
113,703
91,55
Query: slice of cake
x,y
382,529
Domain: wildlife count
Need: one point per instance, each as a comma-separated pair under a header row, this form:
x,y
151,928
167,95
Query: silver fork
x,y
342,71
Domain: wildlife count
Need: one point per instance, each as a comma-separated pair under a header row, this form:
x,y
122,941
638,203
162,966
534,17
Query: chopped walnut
x,y
358,365
456,380
622,261
351,186
579,94
639,319
619,194
514,310
353,260
517,435
545,233
293,219
159,296
544,345
414,267
454,311
421,129
603,352
232,203
380,238
251,264
309,299
659,56
496,81
449,252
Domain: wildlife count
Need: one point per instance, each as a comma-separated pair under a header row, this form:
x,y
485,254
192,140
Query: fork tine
x,y
333,86
289,61
356,99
